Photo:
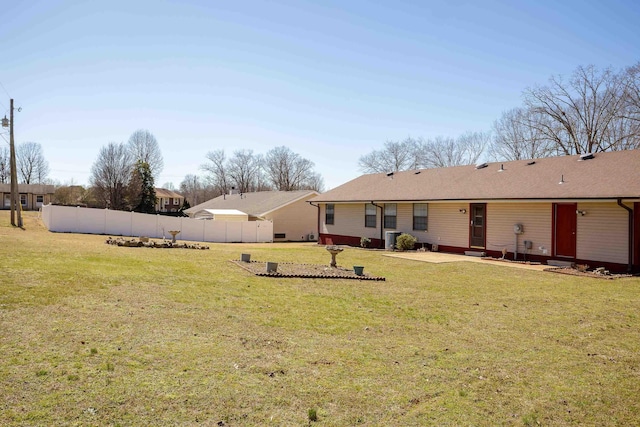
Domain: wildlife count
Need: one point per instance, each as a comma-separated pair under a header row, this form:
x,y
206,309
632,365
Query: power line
x,y
5,90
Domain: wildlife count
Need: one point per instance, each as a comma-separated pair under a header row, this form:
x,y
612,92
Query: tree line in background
x,y
123,175
279,169
592,111
30,162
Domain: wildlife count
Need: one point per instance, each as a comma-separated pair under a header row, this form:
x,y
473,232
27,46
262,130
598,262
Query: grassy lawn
x,y
94,334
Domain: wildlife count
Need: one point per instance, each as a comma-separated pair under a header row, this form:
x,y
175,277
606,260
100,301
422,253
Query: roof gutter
x,y
381,223
318,220
630,238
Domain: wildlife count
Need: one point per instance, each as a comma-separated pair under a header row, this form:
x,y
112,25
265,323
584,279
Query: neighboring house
x,y
583,209
168,201
293,218
32,196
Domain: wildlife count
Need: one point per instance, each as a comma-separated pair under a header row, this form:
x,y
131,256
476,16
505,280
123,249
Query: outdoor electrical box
x,y
528,244
518,229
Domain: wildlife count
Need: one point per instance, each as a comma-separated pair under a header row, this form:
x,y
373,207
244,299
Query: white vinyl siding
x,y
536,223
348,222
602,233
447,226
297,220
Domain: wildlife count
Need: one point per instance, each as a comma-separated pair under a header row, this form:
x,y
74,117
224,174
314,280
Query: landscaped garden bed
x,y
308,271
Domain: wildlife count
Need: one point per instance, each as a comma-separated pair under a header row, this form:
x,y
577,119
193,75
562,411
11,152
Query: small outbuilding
x,y
221,215
293,218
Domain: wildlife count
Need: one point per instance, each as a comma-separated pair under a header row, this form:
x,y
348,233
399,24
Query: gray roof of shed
x,y
609,175
255,204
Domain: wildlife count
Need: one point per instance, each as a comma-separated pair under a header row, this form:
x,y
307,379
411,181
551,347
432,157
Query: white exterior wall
x,y
223,217
349,221
118,223
536,220
447,226
603,233
297,220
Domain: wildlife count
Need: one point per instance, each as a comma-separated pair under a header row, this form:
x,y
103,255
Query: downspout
x,y
318,221
630,227
381,224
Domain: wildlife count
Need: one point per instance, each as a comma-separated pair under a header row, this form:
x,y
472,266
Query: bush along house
x,y
581,209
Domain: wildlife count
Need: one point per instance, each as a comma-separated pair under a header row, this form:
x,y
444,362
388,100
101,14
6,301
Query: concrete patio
x,y
441,257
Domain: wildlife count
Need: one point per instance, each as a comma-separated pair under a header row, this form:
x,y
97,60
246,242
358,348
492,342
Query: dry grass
x,y
93,334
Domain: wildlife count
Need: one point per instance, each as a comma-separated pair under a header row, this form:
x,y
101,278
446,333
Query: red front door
x,y
564,216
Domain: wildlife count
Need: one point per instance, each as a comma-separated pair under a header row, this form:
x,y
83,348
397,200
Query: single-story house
x,y
293,218
583,209
32,196
168,201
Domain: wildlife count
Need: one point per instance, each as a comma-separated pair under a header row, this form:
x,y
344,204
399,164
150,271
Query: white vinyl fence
x,y
67,219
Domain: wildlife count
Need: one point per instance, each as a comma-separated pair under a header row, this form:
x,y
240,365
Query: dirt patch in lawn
x,y
309,271
575,272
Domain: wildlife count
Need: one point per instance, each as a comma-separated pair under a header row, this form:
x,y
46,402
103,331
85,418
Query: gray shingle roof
x,y
255,204
607,176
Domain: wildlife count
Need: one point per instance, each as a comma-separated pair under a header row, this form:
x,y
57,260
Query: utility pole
x,y
15,195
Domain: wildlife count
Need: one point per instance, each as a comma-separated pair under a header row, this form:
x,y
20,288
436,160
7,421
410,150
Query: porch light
x,y
581,213
462,211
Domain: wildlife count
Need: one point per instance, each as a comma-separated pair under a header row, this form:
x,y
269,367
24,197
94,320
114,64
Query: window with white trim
x,y
370,215
329,213
390,215
420,216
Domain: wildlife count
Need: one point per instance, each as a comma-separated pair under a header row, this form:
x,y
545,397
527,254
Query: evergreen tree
x,y
142,190
185,205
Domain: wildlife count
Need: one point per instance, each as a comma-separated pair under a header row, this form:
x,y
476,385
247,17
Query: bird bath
x,y
173,235
333,250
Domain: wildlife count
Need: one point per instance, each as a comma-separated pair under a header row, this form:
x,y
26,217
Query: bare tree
x,y
191,188
5,165
288,171
70,195
31,164
110,175
244,170
144,147
632,90
516,136
443,152
315,182
217,173
584,112
395,156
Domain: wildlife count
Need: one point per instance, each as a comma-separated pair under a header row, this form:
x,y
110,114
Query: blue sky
x,y
331,80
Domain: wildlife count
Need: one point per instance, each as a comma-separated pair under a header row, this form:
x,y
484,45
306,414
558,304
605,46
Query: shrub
x,y
405,242
365,242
